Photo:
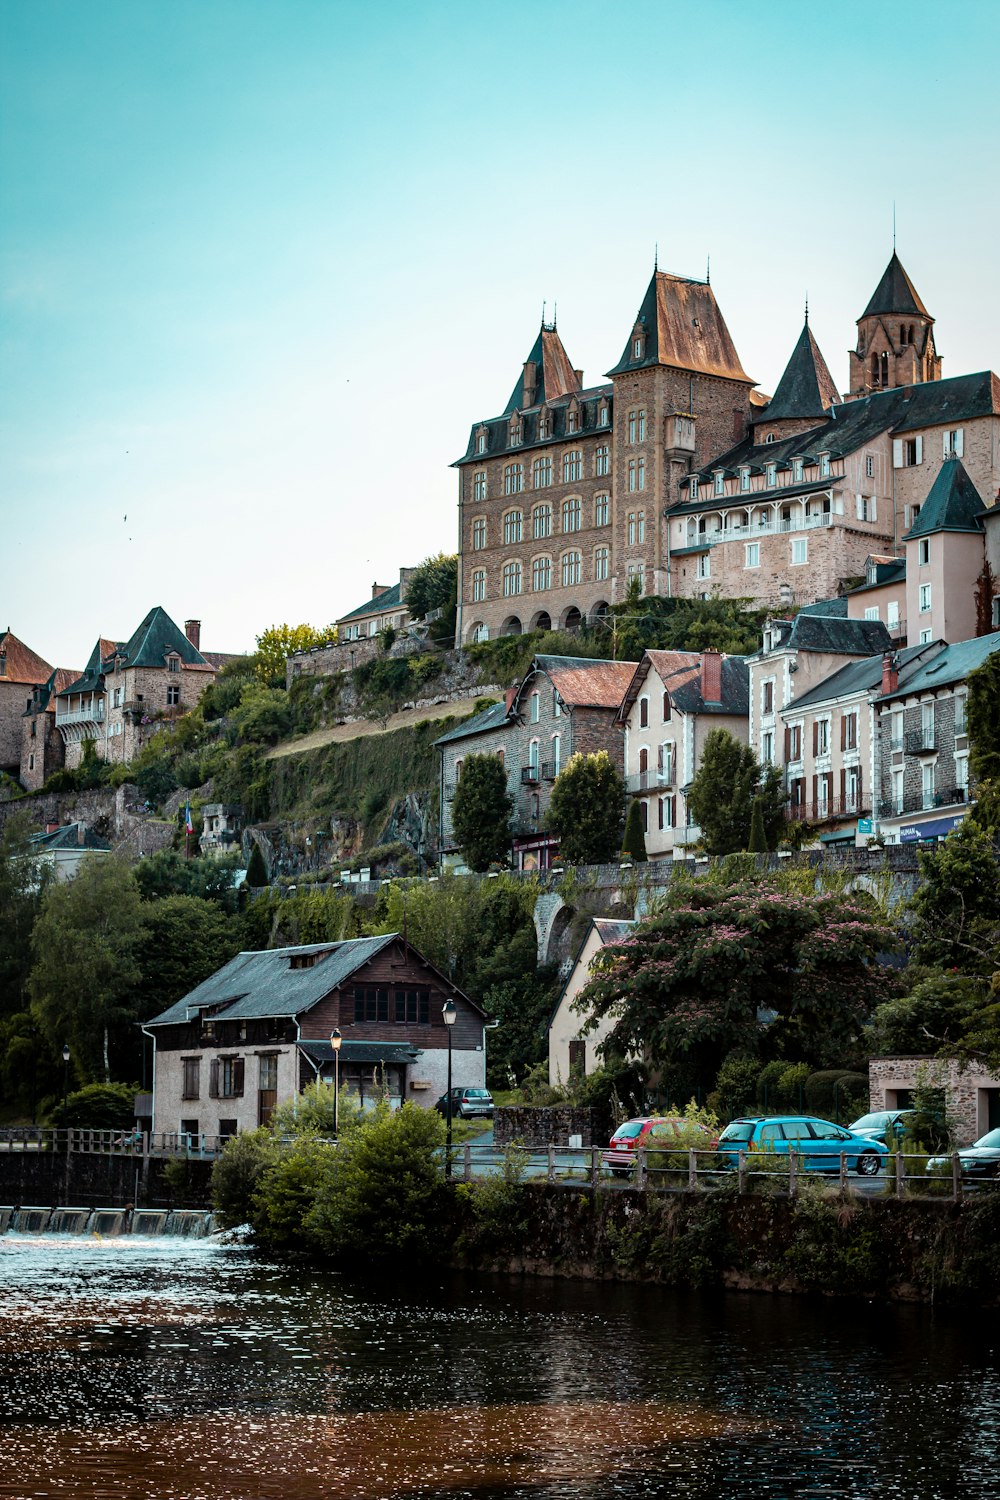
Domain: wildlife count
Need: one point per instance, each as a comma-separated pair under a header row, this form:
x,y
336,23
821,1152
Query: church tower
x,y
895,337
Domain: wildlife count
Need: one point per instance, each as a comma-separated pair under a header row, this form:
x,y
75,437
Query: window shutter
x,y
815,736
788,743
857,783
238,1071
815,792
859,503
843,786
945,450
919,442
897,453
959,441
213,1078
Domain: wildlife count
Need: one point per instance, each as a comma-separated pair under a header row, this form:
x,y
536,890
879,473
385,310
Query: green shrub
x,y
287,1191
237,1175
835,1094
97,1106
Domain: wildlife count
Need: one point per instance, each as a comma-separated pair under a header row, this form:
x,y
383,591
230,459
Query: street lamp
x,y
65,1080
335,1041
450,1011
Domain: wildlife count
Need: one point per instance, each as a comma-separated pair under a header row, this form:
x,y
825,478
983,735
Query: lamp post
x,y
65,1081
335,1041
450,1011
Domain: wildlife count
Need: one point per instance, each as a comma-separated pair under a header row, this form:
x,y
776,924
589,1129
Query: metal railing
x,y
77,1142
530,775
686,1170
752,532
919,741
914,802
92,715
833,807
650,781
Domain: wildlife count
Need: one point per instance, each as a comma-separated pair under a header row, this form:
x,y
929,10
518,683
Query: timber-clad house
x,y
255,1033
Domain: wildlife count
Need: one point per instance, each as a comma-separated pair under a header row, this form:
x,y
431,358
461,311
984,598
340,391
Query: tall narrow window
x,y
572,466
602,510
572,514
511,578
479,533
600,564
512,527
479,485
571,569
541,522
602,461
478,585
541,574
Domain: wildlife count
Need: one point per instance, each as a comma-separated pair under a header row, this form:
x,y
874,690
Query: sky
x,y
264,262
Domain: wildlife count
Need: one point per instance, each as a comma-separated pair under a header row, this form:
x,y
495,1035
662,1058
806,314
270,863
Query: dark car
x,y
881,1122
979,1160
467,1104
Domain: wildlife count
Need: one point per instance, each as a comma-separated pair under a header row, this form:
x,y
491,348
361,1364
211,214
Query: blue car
x,y
818,1143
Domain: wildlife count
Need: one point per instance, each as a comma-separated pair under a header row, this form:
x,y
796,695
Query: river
x,y
176,1370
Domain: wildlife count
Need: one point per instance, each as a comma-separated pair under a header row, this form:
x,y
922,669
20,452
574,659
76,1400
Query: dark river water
x,y
171,1370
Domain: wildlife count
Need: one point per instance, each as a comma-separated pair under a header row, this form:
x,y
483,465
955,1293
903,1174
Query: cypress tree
x,y
634,843
757,843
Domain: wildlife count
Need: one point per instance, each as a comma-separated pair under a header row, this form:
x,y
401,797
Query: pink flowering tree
x,y
744,968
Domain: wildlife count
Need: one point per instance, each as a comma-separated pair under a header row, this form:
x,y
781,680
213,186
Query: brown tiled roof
x,y
584,683
219,659
684,327
23,664
680,673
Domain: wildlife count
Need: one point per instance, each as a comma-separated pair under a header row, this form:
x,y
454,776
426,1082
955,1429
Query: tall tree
x,y
85,980
740,968
757,842
956,909
480,813
277,642
587,810
432,585
984,720
634,842
185,939
721,795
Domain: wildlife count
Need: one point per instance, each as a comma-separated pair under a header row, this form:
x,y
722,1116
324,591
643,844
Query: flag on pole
x,y
188,824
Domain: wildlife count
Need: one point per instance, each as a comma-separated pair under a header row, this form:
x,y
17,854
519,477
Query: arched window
x,y
479,533
572,510
601,559
541,574
479,585
602,510
643,713
602,461
541,522
512,527
541,472
479,485
571,569
572,466
511,579
513,479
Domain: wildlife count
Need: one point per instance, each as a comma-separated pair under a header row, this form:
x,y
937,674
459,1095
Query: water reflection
x,y
180,1371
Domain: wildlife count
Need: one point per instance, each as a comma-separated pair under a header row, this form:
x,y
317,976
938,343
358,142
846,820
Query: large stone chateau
x,y
679,474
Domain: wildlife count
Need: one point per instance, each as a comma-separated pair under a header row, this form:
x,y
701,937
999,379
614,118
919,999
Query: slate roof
x,y
587,405
837,636
609,930
583,682
554,377
806,388
156,637
44,692
493,717
390,598
684,328
69,836
891,571
90,678
953,504
895,293
860,677
23,664
906,408
680,674
261,984
833,609
358,1052
951,665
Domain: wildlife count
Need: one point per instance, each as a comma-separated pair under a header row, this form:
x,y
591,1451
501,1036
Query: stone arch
x,y
599,611
571,618
511,626
541,620
477,631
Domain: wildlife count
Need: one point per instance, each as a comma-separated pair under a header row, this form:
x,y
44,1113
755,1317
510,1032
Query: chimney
x,y
81,833
890,673
530,381
192,629
380,588
711,676
51,827
578,377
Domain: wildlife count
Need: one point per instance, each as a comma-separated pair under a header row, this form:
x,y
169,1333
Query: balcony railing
x,y
920,741
916,802
820,812
531,775
897,629
751,533
549,770
650,781
92,715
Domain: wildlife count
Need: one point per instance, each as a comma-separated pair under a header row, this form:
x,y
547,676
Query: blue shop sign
x,y
864,825
912,833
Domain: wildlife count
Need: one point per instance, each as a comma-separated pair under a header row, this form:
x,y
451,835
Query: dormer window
x,y
797,470
544,425
694,487
772,476
572,421
744,479
481,442
719,482
602,417
638,346
772,437
824,466
173,663
515,432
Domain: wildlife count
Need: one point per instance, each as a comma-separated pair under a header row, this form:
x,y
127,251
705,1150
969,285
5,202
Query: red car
x,y
655,1133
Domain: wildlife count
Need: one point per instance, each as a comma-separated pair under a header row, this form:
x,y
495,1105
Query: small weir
x,y
108,1223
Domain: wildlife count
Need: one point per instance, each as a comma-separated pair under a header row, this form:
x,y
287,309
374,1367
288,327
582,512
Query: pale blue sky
x,y
263,263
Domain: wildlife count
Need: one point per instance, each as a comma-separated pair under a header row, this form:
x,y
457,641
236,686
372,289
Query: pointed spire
x,y
806,388
953,503
547,373
708,270
807,309
895,293
680,324
656,257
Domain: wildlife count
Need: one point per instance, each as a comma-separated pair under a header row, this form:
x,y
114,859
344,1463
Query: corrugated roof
x,y
261,984
684,328
69,836
895,293
951,665
585,683
806,388
953,504
493,717
23,664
